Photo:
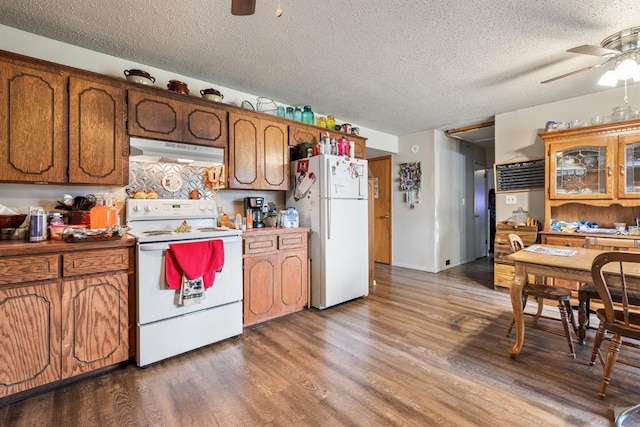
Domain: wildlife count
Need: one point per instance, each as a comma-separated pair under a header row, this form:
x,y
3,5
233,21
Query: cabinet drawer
x,y
292,241
260,244
79,263
28,268
503,275
574,242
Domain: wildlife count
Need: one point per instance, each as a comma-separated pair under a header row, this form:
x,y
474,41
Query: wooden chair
x,y
587,291
619,321
541,292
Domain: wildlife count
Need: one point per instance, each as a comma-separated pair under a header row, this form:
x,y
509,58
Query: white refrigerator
x,y
330,195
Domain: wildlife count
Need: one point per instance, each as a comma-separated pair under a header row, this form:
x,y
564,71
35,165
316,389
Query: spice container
x,y
37,225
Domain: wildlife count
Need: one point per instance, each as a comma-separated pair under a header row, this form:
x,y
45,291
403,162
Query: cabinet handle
x,y
621,169
569,244
609,172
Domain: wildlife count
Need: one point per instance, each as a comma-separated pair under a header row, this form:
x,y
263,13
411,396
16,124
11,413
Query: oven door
x,y
155,301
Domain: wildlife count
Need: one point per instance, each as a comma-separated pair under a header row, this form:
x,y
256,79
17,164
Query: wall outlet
x,y
512,199
447,262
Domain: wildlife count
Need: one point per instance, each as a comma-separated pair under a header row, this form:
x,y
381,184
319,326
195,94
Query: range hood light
x,y
150,150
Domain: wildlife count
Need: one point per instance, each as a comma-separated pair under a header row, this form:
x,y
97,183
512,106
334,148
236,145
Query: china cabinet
x,y
593,173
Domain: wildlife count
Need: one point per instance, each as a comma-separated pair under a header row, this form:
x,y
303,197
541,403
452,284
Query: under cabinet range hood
x,y
151,150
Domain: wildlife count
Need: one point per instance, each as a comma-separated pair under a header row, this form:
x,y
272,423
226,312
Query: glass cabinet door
x,y
629,167
581,171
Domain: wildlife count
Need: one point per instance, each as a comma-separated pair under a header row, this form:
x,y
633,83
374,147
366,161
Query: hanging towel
x,y
194,260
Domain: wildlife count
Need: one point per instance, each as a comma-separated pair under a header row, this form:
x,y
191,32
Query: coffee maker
x,y
253,206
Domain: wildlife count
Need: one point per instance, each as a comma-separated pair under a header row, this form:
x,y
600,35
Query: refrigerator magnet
x,y
303,165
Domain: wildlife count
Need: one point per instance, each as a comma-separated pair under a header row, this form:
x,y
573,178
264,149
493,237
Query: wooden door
x,y
33,125
154,116
381,171
205,125
275,159
30,319
245,151
98,152
95,326
261,275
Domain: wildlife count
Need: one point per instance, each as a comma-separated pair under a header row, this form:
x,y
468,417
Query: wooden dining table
x,y
575,267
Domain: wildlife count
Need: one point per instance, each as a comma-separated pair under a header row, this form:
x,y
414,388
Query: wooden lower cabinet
x,y
275,274
62,315
30,324
503,269
94,323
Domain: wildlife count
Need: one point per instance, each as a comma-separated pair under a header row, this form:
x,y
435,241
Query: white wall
x,y
436,230
516,136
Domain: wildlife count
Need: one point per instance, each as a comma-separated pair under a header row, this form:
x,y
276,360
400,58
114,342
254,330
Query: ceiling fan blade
x,y
589,49
243,7
572,73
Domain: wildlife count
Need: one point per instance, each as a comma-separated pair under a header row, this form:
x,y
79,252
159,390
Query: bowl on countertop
x,y
12,221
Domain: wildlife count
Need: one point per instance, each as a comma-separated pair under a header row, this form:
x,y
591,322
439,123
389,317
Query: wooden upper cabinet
x,y
174,120
299,134
33,127
154,116
98,149
360,151
205,126
258,153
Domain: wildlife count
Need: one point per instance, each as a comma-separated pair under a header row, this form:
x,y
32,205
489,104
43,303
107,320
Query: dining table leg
x,y
519,281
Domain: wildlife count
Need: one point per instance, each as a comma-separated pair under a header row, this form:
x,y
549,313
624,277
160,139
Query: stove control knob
x,y
210,207
203,207
147,208
136,208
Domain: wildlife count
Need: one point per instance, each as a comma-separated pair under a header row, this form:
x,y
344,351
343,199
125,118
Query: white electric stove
x,y
164,327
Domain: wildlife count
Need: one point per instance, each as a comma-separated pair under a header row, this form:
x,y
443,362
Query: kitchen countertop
x,y
20,247
274,230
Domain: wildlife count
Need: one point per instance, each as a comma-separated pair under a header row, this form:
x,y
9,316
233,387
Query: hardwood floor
x,y
422,350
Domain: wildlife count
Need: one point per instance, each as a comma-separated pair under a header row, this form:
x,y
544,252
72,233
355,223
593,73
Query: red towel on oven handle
x,y
193,259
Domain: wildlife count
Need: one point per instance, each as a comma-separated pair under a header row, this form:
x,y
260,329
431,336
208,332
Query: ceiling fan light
x,y
243,7
626,69
608,79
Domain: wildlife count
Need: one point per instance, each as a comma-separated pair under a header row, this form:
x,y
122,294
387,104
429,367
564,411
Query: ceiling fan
x,y
248,7
621,49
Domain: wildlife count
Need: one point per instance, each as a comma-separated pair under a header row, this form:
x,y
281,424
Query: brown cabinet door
x,y
94,323
33,125
299,134
154,116
98,151
30,319
205,126
245,152
360,148
293,280
276,156
261,276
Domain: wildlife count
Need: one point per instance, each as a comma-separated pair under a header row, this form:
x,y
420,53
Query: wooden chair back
x,y
612,244
626,263
515,242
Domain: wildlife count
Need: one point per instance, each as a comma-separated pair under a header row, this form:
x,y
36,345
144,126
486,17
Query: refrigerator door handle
x,y
329,196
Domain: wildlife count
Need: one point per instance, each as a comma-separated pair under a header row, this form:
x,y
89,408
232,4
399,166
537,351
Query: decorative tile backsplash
x,y
164,177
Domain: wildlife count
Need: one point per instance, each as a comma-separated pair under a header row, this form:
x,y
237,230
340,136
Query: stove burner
x,y
157,233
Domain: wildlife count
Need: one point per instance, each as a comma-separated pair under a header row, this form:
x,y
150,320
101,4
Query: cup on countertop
x,y
620,226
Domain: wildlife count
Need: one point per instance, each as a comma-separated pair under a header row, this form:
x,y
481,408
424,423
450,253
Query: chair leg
x,y
572,318
612,357
565,324
540,307
597,342
583,314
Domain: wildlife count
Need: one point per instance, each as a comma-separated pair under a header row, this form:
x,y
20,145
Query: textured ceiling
x,y
395,66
